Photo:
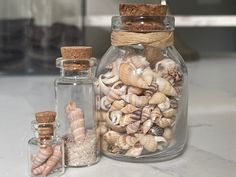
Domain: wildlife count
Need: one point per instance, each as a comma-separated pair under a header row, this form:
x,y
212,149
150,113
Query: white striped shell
x,y
157,98
138,101
111,137
165,87
129,108
148,142
133,127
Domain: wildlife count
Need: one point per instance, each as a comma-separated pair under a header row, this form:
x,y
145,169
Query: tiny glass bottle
x,y
76,106
46,151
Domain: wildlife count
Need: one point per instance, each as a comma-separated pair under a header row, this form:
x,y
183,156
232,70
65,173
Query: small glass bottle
x,y
76,106
143,83
46,151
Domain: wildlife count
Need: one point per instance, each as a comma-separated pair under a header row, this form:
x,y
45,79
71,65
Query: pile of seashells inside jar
x,y
138,105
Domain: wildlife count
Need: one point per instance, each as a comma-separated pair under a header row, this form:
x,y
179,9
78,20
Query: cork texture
x,y
45,117
76,52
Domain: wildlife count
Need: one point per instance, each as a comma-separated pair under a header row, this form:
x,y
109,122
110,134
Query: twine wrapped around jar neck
x,y
160,39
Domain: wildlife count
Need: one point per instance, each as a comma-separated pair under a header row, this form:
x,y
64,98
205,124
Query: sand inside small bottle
x,y
82,154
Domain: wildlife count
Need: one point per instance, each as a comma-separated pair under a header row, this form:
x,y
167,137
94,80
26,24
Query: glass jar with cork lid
x,y
143,83
46,150
76,106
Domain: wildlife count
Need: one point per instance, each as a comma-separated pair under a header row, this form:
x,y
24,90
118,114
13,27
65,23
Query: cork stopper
x,y
142,9
76,52
149,14
45,117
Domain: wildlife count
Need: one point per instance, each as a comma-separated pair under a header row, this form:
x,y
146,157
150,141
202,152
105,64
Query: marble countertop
x,y
211,150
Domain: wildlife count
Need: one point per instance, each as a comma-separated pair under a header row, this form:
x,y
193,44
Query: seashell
x,y
113,119
134,151
110,78
138,61
146,126
77,124
37,171
104,105
146,112
111,137
131,140
138,101
133,127
125,142
102,128
160,139
104,89
129,108
148,75
129,76
155,114
126,120
43,154
134,90
114,94
52,161
117,105
169,112
157,131
165,105
157,98
151,89
101,116
164,122
167,134
165,87
165,66
148,142
116,150
173,103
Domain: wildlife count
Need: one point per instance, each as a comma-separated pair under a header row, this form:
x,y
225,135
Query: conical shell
x,y
148,75
167,134
126,120
163,122
114,94
146,112
165,87
155,114
148,141
146,126
134,151
129,76
133,127
37,171
138,101
125,141
112,121
129,108
111,137
117,105
157,98
134,90
169,112
151,89
165,105
165,67
43,154
104,89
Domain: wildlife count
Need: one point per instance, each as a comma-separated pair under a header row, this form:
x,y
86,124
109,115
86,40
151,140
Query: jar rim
x,y
143,23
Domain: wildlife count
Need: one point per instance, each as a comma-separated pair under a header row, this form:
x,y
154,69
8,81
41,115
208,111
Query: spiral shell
x,y
151,89
114,94
129,76
37,171
126,120
157,98
165,67
104,89
77,124
125,142
169,112
117,105
134,90
110,78
134,151
133,127
165,105
138,101
165,87
148,75
111,137
164,122
112,121
155,114
146,126
104,106
146,112
129,108
43,154
148,142
52,161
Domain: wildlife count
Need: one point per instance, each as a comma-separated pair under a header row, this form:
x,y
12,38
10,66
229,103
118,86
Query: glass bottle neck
x,y
76,73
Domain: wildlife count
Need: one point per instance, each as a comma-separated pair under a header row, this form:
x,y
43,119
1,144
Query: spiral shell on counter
x,y
138,101
133,127
129,76
134,151
165,87
111,137
117,105
148,141
157,98
129,108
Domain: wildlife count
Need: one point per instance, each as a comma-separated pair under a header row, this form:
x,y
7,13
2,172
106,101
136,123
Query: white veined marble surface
x,y
211,150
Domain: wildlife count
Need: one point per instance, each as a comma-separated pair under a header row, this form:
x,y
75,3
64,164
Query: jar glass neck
x,y
76,73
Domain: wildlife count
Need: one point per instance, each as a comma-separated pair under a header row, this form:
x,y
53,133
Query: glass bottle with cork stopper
x,y
76,106
46,150
143,83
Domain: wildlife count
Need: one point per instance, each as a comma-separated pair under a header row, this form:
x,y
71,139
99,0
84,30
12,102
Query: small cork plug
x,y
142,9
45,117
76,52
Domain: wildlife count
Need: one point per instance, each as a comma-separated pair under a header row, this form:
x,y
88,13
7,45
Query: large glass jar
x,y
144,94
76,106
